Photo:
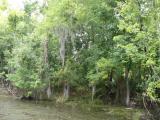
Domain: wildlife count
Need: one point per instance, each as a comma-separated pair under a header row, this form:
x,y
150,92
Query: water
x,y
12,109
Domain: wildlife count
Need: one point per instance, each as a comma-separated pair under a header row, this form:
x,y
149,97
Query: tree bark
x,y
66,90
49,92
46,67
127,87
93,91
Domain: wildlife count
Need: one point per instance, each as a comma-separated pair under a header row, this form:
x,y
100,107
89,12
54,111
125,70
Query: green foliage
x,y
103,39
151,91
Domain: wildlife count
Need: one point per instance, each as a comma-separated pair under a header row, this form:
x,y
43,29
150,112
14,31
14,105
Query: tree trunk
x,y
93,91
66,90
127,87
46,67
120,96
49,92
117,95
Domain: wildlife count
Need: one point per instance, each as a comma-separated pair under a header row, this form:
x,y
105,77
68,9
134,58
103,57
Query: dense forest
x,y
106,50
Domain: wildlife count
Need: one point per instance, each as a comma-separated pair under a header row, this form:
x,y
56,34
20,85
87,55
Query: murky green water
x,y
11,109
